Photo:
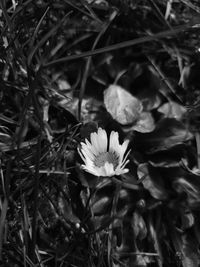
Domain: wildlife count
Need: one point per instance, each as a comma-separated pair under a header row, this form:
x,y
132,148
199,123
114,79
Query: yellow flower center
x,y
109,157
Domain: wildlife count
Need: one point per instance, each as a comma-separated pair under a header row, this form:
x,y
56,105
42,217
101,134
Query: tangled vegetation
x,y
68,67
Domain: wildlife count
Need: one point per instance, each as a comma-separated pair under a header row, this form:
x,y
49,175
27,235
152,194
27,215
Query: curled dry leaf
x,y
145,123
172,110
122,106
187,220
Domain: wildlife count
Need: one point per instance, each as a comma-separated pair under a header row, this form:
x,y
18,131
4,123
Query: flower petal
x,y
102,140
90,151
87,155
122,163
109,169
91,147
121,171
94,141
80,153
114,142
124,146
90,170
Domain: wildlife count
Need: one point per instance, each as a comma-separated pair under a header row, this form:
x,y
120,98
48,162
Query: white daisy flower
x,y
103,157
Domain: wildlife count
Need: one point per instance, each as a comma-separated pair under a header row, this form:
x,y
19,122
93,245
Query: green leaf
x,y
191,187
152,181
167,134
189,250
139,226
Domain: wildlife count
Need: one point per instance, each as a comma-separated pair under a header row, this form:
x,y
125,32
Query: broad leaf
x,y
167,134
122,106
191,187
145,123
139,226
172,110
101,206
152,181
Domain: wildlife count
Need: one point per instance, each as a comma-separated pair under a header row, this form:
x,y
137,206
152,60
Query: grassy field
x,y
99,133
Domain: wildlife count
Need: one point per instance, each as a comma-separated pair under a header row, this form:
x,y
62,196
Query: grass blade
x,y
153,37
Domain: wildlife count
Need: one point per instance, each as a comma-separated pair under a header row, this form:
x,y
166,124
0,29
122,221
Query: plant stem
x,y
197,136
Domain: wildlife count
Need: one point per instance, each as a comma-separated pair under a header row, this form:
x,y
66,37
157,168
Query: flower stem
x,y
113,214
